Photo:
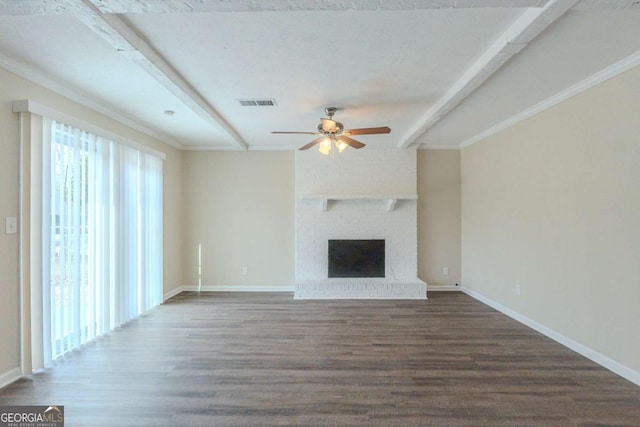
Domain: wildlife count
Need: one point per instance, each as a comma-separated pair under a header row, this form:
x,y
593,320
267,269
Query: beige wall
x,y
173,218
439,217
553,204
240,207
13,88
9,200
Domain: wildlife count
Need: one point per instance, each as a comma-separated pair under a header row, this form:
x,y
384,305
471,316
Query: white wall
x,y
13,88
239,206
553,204
439,217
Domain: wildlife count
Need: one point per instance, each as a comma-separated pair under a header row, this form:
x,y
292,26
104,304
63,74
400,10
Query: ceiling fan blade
x,y
312,143
303,133
351,142
329,125
368,131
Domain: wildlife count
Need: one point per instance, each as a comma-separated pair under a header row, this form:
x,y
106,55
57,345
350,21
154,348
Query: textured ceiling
x,y
437,72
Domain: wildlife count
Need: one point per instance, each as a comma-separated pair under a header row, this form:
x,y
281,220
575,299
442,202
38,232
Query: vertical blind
x,y
102,243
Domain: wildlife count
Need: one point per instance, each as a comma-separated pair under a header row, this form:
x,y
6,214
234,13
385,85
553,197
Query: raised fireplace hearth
x,y
374,288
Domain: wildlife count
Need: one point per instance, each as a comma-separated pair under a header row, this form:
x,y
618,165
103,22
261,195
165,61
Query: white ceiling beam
x,y
116,31
181,6
122,6
50,7
527,27
38,7
54,7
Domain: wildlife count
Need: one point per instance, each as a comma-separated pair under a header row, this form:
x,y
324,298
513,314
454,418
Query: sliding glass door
x,y
102,242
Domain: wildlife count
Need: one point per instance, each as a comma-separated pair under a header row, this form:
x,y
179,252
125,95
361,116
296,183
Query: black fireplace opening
x,y
356,258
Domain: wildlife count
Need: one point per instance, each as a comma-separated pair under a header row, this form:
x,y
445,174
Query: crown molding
x,y
211,148
291,148
37,77
272,148
600,77
425,146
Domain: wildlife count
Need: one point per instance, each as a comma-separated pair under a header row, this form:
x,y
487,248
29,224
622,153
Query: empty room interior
x,y
320,212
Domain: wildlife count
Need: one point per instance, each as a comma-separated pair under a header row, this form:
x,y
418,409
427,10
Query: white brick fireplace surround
x,y
357,194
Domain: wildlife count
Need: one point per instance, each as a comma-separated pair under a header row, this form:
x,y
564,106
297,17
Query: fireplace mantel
x,y
390,199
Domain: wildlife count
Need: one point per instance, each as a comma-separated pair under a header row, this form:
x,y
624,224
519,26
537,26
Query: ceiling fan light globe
x,y
325,149
340,145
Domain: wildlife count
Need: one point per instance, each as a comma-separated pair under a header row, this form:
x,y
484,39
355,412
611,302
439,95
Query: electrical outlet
x,y
445,271
11,225
245,271
518,290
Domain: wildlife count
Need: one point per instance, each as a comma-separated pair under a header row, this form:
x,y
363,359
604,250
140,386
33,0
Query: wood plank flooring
x,y
247,359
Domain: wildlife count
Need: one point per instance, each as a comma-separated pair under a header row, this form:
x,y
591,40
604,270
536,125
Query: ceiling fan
x,y
334,132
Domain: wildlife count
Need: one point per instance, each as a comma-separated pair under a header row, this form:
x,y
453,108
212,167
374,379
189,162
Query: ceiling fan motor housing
x,y
330,127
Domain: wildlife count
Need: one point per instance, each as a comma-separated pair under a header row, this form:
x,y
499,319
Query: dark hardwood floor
x,y
247,359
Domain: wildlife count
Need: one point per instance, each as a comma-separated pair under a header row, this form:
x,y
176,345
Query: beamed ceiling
x,y
439,73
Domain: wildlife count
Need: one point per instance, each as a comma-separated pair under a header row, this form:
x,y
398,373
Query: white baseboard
x,y
602,360
10,376
443,288
173,293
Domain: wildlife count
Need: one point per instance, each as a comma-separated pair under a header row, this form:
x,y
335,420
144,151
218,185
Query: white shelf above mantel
x,y
391,200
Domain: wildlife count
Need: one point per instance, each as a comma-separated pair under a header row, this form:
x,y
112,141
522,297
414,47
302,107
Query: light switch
x,y
11,225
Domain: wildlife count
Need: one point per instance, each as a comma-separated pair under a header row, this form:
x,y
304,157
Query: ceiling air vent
x,y
263,102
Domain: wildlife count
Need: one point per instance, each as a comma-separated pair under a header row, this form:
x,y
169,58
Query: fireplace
x,y
356,258
356,225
